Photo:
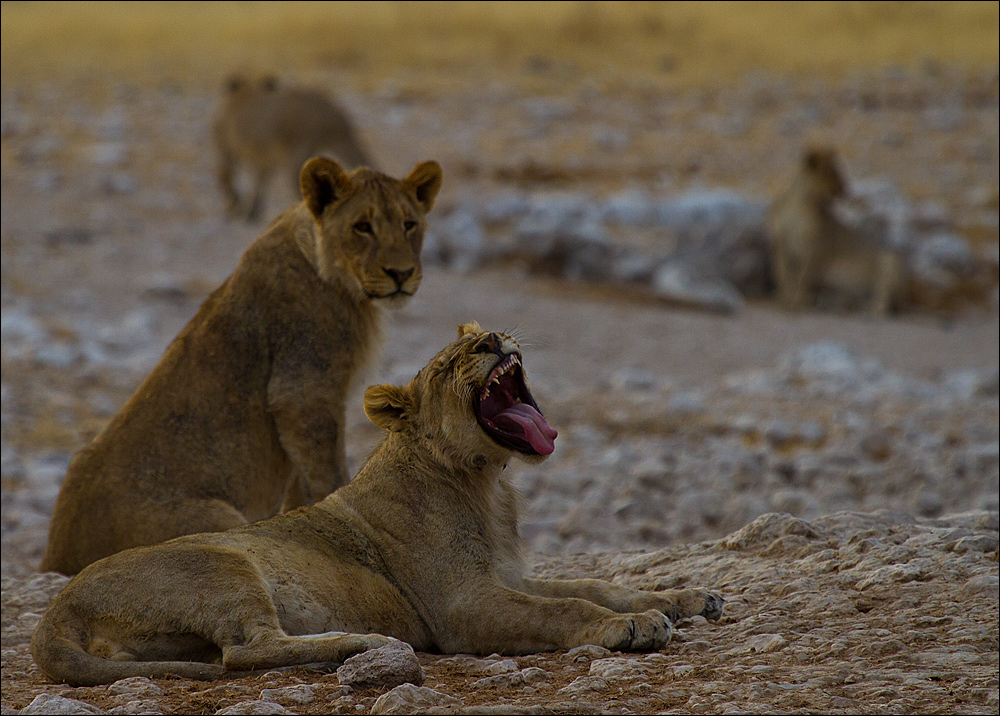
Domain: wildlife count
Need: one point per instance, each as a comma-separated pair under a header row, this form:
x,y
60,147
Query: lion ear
x,y
815,157
467,328
425,183
323,181
388,406
234,83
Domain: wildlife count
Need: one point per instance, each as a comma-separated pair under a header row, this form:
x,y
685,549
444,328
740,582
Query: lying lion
x,y
265,128
245,411
422,545
819,259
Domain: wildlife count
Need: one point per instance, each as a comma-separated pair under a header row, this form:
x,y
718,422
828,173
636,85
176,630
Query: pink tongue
x,y
521,419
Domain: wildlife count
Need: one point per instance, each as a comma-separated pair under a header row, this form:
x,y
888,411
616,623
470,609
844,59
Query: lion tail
x,y
57,646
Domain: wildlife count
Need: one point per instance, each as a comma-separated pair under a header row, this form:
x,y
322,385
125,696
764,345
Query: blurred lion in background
x,y
264,127
817,258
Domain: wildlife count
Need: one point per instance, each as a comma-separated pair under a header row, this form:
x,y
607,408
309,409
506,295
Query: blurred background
x,y
609,168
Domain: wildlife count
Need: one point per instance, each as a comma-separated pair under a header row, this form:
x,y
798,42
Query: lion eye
x,y
409,225
363,227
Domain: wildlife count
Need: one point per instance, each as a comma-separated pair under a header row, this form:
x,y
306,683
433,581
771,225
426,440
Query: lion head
x,y
821,171
370,227
471,403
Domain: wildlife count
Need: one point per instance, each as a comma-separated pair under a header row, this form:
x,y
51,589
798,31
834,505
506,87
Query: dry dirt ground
x,y
834,475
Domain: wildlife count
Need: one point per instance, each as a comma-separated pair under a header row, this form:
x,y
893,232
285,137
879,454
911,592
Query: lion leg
x,y
271,647
888,283
315,446
675,603
226,170
261,177
513,622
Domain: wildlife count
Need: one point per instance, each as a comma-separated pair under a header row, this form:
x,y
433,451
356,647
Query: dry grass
x,y
684,42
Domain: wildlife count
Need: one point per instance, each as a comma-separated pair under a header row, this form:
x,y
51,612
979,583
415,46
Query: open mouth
x,y
508,413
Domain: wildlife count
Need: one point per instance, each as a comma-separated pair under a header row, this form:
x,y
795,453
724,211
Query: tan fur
x,y
816,258
245,410
267,128
422,545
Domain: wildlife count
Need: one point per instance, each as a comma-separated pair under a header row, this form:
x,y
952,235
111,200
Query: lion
x,y
265,127
421,546
245,411
819,259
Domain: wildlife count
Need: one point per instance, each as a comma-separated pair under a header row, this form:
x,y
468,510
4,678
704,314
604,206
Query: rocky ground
x,y
834,475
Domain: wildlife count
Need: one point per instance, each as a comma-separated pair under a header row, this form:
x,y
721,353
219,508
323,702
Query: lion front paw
x,y
684,603
648,631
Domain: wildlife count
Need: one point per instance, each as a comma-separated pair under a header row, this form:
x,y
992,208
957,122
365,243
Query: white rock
x,y
58,705
583,685
617,668
984,584
57,355
460,241
254,708
408,698
148,707
503,681
711,208
587,652
830,361
385,667
687,403
767,643
135,686
504,208
534,675
675,282
942,261
506,666
630,208
17,326
299,693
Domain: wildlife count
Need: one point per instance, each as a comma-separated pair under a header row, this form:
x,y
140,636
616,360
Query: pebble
x,y
385,667
587,652
300,694
58,705
675,282
254,708
407,698
505,680
583,685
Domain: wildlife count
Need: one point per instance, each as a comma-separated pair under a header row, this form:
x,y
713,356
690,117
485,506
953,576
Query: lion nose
x,y
490,343
399,277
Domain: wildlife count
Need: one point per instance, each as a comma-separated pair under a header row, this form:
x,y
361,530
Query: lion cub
x,y
818,258
268,128
244,412
422,545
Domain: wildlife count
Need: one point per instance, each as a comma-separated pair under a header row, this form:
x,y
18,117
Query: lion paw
x,y
648,631
683,603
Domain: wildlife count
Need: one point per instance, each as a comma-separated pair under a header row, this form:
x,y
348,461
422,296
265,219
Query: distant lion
x,y
268,128
816,258
244,413
422,545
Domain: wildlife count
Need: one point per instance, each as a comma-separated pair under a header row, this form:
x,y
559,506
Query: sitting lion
x,y
265,127
819,259
245,410
422,545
